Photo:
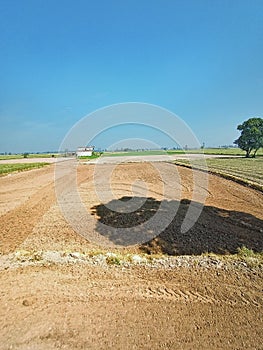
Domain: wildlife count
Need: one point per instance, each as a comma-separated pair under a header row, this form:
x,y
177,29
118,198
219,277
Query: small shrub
x,y
113,260
245,252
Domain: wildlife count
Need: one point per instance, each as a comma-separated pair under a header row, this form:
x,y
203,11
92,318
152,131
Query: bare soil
x,y
78,306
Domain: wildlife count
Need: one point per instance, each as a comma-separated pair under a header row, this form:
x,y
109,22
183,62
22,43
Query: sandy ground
x,y
78,306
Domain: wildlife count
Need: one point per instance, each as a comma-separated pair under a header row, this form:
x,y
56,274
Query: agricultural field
x,y
224,151
10,168
64,290
212,151
30,155
247,170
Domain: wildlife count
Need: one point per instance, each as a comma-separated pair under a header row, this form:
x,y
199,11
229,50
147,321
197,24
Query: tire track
x,y
180,294
185,295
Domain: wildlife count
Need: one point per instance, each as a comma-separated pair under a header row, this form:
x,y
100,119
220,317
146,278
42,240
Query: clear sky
x,y
61,60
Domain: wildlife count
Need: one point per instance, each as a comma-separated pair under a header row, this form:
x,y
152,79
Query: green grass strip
x,y
10,168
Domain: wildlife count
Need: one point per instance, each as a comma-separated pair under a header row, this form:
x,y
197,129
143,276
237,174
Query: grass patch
x,y
113,259
25,255
245,252
10,168
93,156
251,258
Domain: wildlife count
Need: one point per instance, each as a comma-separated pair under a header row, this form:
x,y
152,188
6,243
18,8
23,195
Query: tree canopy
x,y
251,138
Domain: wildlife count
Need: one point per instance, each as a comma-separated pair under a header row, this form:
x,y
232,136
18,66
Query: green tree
x,y
251,138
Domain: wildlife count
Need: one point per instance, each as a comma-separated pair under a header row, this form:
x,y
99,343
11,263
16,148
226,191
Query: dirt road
x,y
78,306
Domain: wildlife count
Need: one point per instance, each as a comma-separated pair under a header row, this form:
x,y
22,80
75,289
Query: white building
x,y
85,151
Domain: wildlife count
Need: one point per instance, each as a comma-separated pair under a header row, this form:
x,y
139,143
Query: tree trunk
x,y
254,155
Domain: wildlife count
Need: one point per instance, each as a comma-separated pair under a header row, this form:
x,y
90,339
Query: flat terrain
x,y
52,305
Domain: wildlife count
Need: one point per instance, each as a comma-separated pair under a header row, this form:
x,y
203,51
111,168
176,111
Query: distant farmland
x,y
218,151
243,169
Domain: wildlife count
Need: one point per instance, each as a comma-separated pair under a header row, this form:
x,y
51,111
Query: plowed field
x,y
82,306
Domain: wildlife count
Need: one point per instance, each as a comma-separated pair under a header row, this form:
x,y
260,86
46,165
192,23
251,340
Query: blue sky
x,y
61,60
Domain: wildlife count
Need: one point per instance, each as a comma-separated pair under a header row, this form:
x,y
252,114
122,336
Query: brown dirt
x,y
96,307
